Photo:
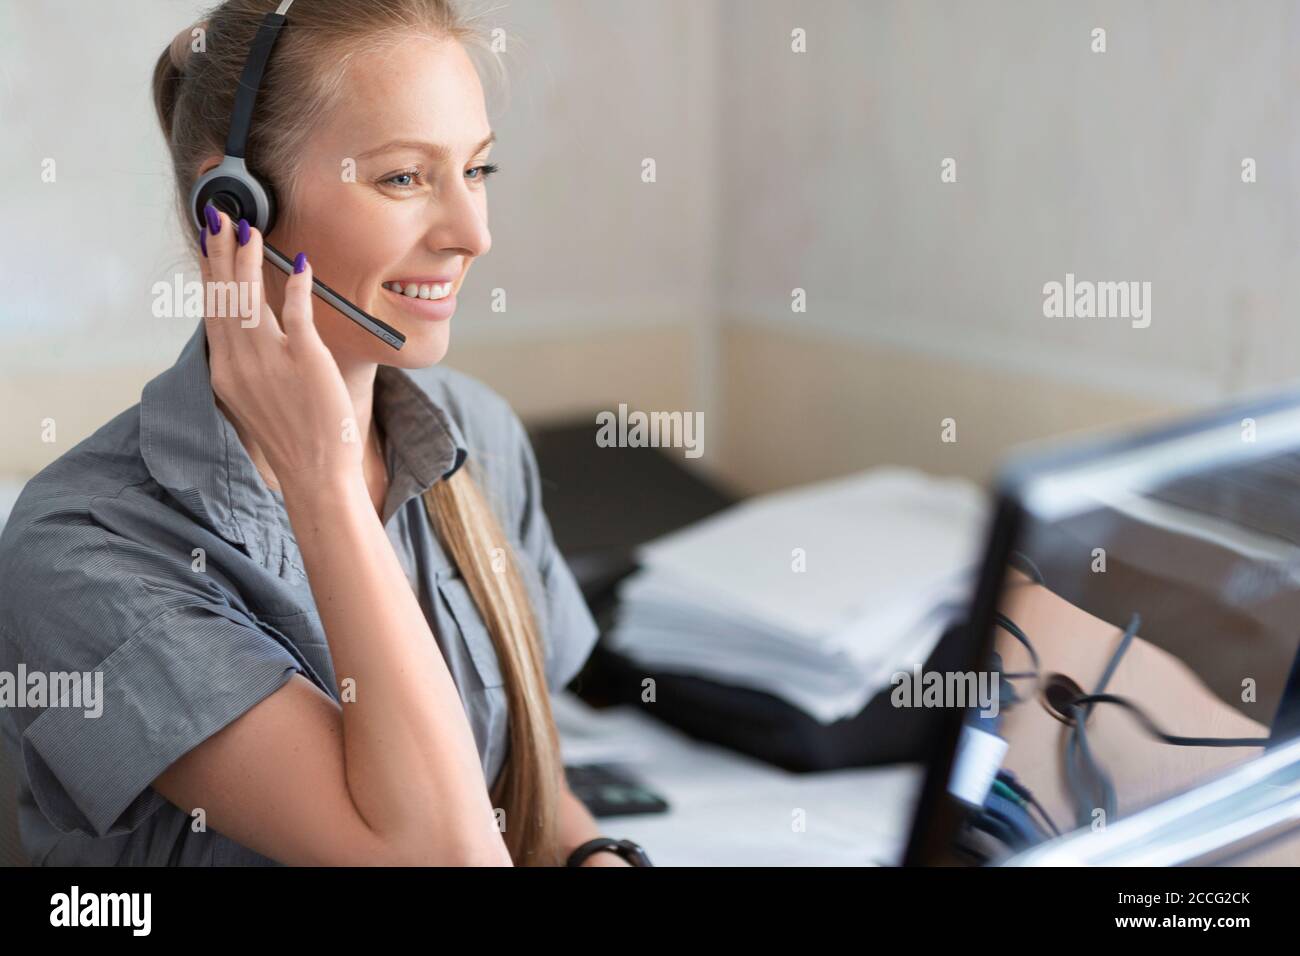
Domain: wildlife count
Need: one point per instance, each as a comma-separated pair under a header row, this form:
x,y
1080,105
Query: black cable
x,y
1134,623
1077,745
1009,779
1042,811
1154,730
1014,630
1024,830
1074,784
1099,776
995,827
1029,568
1078,742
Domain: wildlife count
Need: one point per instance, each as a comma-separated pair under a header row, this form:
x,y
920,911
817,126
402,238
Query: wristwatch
x,y
632,852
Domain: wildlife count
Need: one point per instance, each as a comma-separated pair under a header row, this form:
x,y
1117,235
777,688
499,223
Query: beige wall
x,y
802,406
549,379
794,405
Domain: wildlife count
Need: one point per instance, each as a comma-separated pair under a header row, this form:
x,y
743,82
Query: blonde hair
x,y
194,95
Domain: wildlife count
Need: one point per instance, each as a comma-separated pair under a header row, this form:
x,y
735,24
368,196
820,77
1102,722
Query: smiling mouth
x,y
420,290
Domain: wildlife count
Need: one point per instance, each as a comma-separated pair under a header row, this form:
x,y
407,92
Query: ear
x,y
212,162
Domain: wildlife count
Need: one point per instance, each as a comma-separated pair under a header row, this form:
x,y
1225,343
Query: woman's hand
x,y
276,377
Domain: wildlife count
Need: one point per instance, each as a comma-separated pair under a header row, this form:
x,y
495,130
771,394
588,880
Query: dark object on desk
x,y
608,791
765,726
604,502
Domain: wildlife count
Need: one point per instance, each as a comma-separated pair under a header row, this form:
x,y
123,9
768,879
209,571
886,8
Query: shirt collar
x,y
193,451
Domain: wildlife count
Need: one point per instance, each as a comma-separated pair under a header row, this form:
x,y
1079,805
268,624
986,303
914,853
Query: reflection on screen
x,y
1146,640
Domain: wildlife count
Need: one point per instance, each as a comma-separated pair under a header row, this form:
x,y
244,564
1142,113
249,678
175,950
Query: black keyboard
x,y
609,792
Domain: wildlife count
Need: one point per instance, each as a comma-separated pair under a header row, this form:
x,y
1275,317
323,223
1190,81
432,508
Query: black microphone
x,y
374,326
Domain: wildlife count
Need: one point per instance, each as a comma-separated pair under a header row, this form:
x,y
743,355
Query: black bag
x,y
766,727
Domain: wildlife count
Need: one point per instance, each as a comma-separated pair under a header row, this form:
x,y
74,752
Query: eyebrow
x,y
437,150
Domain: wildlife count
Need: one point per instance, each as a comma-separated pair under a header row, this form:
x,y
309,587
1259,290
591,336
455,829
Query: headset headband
x,y
241,117
233,188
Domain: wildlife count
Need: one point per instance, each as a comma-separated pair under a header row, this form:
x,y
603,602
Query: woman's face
x,y
391,190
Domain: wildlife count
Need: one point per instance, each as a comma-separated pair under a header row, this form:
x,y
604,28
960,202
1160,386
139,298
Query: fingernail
x,y
203,242
299,263
214,221
243,232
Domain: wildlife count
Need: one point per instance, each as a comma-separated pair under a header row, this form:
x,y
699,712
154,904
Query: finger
x,y
257,321
296,313
216,263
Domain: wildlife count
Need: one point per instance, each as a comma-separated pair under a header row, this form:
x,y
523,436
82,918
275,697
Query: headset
x,y
236,191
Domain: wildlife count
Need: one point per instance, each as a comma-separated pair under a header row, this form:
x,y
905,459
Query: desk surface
x,y
1144,770
730,810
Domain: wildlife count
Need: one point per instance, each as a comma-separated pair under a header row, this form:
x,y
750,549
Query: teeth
x,y
413,290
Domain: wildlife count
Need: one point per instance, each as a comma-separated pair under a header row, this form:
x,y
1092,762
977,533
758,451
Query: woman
x,y
312,571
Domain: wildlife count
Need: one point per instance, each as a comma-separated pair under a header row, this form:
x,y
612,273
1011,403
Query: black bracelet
x,y
628,850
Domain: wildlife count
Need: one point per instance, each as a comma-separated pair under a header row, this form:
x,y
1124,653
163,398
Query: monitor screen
x,y
1143,637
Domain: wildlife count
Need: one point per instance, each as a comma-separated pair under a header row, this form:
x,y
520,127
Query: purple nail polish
x,y
243,233
214,221
203,242
299,263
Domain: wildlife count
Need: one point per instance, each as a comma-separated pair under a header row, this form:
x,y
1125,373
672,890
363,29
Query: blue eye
x,y
409,179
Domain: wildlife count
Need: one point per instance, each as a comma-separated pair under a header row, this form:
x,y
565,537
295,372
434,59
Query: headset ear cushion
x,y
232,196
236,192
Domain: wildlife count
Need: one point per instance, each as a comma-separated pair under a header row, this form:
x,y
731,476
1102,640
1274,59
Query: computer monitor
x,y
1134,627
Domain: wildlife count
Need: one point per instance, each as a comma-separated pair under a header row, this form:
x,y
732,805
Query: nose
x,y
461,222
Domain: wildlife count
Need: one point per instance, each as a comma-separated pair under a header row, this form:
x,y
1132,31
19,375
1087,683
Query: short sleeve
x,y
161,667
569,629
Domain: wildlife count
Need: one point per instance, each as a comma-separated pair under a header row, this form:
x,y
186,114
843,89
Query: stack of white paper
x,y
817,595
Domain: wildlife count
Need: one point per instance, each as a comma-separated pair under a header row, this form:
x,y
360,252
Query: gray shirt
x,y
154,557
